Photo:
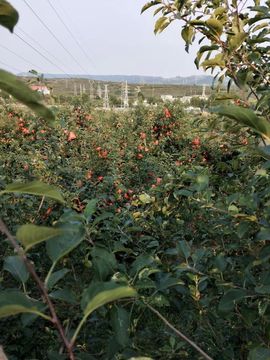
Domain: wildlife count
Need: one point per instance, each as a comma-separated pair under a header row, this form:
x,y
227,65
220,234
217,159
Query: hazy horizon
x,y
115,37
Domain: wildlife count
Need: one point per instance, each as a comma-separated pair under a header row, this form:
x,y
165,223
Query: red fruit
x,y
167,113
196,141
98,148
89,174
158,180
139,156
25,131
71,136
143,135
100,178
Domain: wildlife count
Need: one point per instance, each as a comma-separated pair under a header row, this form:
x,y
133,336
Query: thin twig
x,y
55,320
179,333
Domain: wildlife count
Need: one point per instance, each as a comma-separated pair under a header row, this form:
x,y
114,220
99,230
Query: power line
x,y
42,55
37,43
9,66
53,35
19,56
70,32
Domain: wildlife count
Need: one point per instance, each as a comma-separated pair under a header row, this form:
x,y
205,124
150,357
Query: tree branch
x,y
55,320
179,333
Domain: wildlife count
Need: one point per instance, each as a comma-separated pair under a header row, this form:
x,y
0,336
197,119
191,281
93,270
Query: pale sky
x,y
117,39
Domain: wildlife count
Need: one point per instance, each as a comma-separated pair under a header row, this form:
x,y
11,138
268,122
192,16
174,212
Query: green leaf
x,y
64,295
218,60
55,277
264,151
31,235
184,248
72,235
35,188
8,15
20,91
90,208
150,4
145,198
161,24
120,325
187,35
228,301
237,40
141,262
259,353
101,293
16,267
15,302
202,182
263,234
246,117
104,262
215,26
264,289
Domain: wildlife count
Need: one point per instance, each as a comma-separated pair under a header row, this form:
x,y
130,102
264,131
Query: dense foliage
x,y
181,215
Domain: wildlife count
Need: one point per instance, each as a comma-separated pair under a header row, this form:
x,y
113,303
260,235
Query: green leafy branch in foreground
x,y
65,236
9,82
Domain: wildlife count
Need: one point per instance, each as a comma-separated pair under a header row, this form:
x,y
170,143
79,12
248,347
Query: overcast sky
x,y
117,39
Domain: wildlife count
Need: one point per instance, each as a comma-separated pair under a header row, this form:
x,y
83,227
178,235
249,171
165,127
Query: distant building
x,y
41,89
169,98
187,99
193,110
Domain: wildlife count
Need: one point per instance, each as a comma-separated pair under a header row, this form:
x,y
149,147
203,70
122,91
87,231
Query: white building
x,y
169,98
41,89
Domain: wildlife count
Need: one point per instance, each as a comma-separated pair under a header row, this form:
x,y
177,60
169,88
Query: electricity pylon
x,y
106,103
99,91
91,90
125,96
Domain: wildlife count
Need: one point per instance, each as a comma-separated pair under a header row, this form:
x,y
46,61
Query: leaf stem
x,y
179,333
76,333
49,274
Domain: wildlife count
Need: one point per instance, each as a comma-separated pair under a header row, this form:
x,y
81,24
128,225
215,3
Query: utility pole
x,y
75,90
106,103
81,90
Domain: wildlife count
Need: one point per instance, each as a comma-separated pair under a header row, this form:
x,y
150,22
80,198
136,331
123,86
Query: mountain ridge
x,y
136,79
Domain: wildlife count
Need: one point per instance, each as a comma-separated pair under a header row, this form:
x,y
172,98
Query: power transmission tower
x,y
75,90
99,91
84,89
125,98
81,90
91,90
106,103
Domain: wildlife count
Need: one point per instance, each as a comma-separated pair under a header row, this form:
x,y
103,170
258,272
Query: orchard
x,y
141,234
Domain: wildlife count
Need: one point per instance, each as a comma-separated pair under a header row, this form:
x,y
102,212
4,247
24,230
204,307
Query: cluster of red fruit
x,y
102,154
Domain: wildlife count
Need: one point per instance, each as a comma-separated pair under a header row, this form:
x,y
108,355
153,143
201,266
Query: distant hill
x,y
136,79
